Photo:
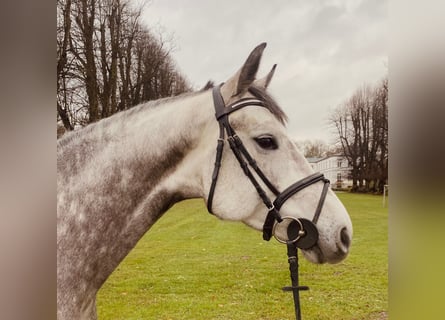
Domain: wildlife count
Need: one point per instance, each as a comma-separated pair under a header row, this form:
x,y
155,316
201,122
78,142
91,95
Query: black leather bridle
x,y
301,233
306,235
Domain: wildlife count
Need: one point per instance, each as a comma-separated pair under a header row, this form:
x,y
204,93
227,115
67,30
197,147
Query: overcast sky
x,y
324,49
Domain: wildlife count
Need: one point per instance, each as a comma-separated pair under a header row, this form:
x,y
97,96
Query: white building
x,y
335,168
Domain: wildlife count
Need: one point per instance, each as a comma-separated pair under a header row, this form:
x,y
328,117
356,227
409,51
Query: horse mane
x,y
69,136
257,91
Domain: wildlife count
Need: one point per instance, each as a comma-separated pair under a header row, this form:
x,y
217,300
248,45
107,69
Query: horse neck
x,y
119,176
154,157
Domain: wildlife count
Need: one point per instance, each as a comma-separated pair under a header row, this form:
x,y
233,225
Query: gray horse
x,y
118,176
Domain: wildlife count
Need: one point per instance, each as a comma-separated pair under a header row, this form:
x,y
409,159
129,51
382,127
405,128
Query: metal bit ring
x,y
301,232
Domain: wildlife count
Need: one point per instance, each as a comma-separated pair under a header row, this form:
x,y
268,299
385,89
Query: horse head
x,y
263,135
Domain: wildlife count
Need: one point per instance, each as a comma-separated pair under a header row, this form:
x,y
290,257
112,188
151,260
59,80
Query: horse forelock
x,y
270,103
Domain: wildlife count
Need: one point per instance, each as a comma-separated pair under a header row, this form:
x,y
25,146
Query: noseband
x,y
306,235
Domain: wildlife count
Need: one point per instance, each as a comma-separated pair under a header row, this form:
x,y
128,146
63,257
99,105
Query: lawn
x,y
191,265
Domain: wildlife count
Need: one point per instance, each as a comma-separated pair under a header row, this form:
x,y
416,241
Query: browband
x,y
238,105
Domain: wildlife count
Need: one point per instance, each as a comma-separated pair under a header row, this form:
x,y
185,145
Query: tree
x,y
313,148
380,133
361,124
63,33
107,61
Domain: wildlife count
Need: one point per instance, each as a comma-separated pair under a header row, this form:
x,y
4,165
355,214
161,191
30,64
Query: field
x,y
191,265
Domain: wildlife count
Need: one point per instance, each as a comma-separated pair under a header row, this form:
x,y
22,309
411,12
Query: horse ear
x,y
264,82
246,75
209,85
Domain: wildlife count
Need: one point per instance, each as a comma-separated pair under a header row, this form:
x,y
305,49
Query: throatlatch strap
x,y
219,151
219,105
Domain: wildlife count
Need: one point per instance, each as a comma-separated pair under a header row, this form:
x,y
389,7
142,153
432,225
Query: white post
x,y
385,190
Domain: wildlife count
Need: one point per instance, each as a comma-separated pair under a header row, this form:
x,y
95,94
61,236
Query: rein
x,y
302,233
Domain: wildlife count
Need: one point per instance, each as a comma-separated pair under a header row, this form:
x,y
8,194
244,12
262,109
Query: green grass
x,y
191,265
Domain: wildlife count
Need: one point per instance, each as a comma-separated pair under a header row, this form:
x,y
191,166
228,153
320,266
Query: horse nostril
x,y
344,237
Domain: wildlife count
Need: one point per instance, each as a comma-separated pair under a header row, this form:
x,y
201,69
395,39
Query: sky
x,y
324,50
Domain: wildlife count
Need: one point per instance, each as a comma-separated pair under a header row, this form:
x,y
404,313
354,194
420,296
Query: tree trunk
x,y
87,27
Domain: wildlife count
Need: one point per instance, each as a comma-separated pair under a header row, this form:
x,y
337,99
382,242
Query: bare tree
x,y
63,33
108,61
313,148
345,124
85,15
361,124
380,132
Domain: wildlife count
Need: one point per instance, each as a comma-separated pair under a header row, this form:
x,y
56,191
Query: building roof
x,y
317,159
313,159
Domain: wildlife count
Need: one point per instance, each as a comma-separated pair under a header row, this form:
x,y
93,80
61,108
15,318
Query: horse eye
x,y
267,142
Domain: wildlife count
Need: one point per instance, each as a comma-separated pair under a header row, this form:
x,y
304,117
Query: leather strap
x,y
292,254
321,201
294,188
254,166
238,105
